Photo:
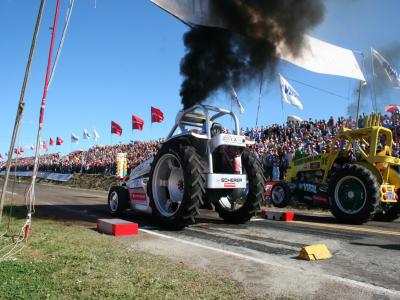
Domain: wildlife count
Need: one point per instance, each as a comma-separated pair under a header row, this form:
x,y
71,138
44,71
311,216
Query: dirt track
x,y
261,254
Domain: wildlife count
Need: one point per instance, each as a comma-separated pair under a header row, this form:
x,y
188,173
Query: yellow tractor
x,y
357,179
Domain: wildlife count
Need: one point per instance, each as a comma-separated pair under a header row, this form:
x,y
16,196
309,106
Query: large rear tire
x,y
176,185
254,194
118,200
354,194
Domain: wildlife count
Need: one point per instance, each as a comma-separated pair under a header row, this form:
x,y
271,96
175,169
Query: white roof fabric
x,y
317,56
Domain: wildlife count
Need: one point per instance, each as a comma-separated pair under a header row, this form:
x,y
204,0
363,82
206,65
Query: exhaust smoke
x,y
219,58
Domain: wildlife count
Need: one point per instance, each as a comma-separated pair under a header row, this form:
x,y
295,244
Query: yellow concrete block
x,y
315,252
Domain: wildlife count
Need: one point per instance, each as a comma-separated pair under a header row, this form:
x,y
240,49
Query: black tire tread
x,y
256,192
193,181
123,200
286,201
372,189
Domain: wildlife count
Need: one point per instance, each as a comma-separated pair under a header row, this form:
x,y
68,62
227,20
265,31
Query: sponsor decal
x,y
323,159
229,185
233,139
315,165
233,179
268,187
323,189
307,187
319,198
138,197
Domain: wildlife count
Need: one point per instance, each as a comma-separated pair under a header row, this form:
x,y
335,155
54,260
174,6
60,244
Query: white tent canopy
x,y
317,56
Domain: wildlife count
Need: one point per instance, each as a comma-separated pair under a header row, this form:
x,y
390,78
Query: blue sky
x,y
123,56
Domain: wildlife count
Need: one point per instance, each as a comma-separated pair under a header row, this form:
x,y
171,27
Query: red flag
x,y
21,149
116,129
51,142
137,123
59,141
157,115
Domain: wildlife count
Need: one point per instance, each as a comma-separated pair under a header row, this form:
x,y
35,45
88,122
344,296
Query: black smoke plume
x,y
218,58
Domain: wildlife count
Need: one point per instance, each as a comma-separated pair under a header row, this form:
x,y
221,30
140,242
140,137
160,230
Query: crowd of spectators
x,y
97,160
275,145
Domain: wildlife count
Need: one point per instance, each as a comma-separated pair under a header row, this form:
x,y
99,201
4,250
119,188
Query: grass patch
x,y
63,260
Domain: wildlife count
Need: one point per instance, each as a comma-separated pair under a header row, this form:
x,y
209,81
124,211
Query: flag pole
x,y
259,97
31,190
283,112
358,102
21,106
373,83
111,148
359,92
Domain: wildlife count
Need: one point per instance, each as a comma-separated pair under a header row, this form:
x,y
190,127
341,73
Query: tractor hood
x,y
142,169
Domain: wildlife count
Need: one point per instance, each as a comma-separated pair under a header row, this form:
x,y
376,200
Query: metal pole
x,y
21,105
358,103
374,103
31,190
259,97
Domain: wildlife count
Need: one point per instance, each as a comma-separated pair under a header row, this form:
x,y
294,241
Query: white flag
x,y
96,135
235,100
86,134
74,138
392,74
289,94
317,56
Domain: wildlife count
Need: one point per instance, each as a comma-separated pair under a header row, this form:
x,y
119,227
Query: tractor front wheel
x,y
280,194
118,200
354,194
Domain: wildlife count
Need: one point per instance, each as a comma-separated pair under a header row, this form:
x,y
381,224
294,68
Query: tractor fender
x,y
374,170
394,178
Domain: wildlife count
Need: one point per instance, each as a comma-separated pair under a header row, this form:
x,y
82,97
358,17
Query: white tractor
x,y
197,166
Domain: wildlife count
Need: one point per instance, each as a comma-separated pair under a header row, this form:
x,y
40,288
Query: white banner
x,y
235,100
391,73
74,138
289,94
318,56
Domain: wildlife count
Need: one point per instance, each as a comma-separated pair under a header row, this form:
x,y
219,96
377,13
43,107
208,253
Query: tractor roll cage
x,y
203,120
190,117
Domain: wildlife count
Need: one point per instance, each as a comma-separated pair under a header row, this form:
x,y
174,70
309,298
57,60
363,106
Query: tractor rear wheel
x,y
241,205
176,184
354,194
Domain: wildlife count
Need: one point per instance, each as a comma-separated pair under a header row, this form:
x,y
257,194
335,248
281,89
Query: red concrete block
x,y
277,215
117,227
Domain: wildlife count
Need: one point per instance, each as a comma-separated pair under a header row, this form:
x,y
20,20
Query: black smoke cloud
x,y
218,58
379,92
